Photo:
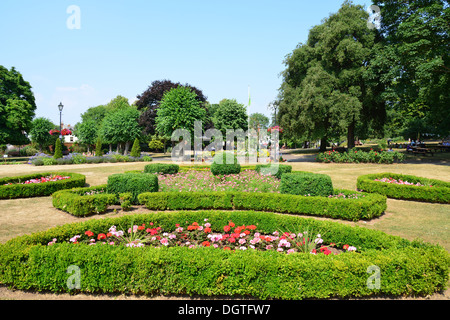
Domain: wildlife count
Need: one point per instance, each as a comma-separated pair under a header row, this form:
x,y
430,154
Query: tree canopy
x,y
17,107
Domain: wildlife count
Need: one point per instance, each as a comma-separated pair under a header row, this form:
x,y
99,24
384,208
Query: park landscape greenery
x,y
231,229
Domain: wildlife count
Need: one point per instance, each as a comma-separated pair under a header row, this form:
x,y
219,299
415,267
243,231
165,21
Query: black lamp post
x,y
60,107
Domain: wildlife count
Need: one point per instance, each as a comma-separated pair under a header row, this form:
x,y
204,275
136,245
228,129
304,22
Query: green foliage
x,y
230,115
58,149
179,109
27,262
306,183
162,168
16,190
156,145
258,120
39,133
98,148
270,168
17,107
367,206
136,149
125,200
121,126
438,193
82,202
225,163
360,156
135,183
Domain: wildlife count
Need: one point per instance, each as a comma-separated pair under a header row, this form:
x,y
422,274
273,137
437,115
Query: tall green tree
x,y
338,52
121,127
179,109
17,107
39,133
258,120
230,115
415,60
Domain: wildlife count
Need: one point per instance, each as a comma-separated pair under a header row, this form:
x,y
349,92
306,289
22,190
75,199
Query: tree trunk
x,y
323,144
351,136
127,146
110,147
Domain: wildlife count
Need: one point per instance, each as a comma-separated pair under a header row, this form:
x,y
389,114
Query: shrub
x,y
407,267
282,168
367,206
306,183
136,149
135,183
438,192
360,156
162,168
147,159
82,202
221,165
98,148
58,149
17,190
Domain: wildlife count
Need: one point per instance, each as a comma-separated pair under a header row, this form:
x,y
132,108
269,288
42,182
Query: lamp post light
x,y
60,107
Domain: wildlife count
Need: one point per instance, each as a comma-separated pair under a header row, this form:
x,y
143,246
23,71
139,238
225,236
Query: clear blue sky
x,y
221,47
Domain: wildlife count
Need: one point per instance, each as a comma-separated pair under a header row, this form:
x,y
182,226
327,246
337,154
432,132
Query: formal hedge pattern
x,y
134,183
366,206
438,192
17,190
405,267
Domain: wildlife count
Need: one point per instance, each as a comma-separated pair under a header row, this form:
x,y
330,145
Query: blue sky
x,y
221,47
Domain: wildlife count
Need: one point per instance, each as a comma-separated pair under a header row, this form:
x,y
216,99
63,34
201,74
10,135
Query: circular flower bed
x,y
197,235
39,184
404,267
406,187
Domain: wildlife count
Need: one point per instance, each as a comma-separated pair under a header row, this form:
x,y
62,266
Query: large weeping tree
x,y
328,86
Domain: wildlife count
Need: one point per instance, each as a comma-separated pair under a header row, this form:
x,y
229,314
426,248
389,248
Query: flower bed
x,y
406,268
39,184
406,187
42,159
360,156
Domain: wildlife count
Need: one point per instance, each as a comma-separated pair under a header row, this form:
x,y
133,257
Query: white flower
x,y
351,248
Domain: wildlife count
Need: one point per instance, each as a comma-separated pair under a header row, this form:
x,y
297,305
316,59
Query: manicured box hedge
x,y
438,193
77,203
367,207
405,267
135,183
280,169
221,165
164,168
38,189
306,183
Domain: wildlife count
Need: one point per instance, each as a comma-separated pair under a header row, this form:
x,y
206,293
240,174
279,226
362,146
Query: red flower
x,y
205,243
345,246
226,228
251,227
227,248
101,236
231,239
109,234
89,233
207,230
231,224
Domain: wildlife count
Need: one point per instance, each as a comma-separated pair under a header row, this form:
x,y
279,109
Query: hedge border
x,y
74,202
439,193
406,267
371,206
15,191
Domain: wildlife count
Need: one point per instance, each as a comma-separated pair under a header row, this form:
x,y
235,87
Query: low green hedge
x,y
306,183
405,267
163,168
367,207
83,202
221,165
438,193
38,189
135,183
